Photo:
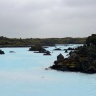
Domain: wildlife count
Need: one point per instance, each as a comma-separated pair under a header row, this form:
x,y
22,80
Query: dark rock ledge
x,y
2,52
39,49
83,59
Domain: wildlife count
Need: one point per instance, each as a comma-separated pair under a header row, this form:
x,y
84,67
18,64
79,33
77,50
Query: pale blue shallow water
x,y
23,74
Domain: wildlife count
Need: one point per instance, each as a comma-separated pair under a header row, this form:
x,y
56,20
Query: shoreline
x,y
82,59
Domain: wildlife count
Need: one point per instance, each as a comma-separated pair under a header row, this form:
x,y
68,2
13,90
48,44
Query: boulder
x,y
57,49
60,57
2,52
66,51
70,48
11,52
47,53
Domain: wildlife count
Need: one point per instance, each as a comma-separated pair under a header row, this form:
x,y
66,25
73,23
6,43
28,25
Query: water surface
x,y
23,74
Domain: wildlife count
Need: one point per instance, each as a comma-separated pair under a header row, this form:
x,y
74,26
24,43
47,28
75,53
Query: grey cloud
x,y
80,2
50,18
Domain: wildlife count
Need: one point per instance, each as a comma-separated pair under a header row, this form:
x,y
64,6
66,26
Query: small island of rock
x,y
2,52
39,49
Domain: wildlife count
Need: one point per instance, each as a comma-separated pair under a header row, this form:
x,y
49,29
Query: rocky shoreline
x,y
82,59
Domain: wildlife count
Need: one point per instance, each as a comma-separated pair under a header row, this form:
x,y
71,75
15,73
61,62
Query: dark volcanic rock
x,y
11,52
47,53
66,51
2,52
91,40
70,48
60,57
38,48
57,49
83,59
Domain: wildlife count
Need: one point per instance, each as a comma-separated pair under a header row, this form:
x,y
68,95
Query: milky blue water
x,y
23,74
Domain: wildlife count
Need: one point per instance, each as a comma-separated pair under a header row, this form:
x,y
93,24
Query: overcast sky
x,y
47,18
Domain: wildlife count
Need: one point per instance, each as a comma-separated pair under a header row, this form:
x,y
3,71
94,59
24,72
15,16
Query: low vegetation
x,y
28,42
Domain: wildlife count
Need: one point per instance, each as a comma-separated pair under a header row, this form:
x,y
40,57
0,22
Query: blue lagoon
x,y
23,74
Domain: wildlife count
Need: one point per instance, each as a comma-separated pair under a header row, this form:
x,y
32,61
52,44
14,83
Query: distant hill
x,y
15,42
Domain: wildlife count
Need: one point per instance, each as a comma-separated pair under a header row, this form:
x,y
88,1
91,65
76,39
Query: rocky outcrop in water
x,y
11,52
2,52
83,59
38,48
47,53
57,49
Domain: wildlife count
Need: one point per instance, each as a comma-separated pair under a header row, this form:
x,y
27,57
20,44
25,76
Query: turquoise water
x,y
23,74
